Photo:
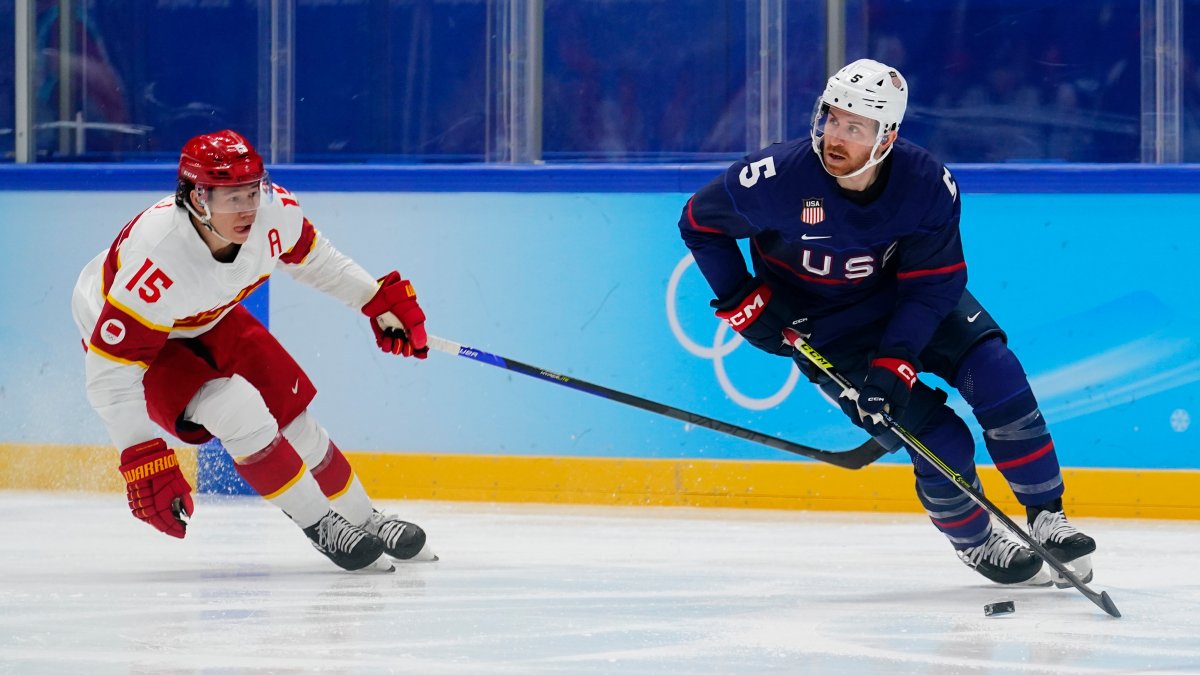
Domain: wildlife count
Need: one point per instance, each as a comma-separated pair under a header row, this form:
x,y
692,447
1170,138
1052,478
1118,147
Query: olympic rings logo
x,y
720,348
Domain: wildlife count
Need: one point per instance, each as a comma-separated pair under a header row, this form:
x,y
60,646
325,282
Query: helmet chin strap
x,y
872,161
206,219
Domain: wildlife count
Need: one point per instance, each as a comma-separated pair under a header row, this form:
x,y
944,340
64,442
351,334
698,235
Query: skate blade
x,y
1081,566
382,565
1042,579
424,555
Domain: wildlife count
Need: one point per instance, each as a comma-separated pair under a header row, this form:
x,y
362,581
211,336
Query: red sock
x,y
273,469
334,474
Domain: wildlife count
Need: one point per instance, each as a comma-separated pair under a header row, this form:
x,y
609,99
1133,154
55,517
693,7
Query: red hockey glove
x,y
888,387
396,318
750,311
158,493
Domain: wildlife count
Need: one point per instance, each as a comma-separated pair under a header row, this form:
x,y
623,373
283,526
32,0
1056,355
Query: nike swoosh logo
x,y
296,387
809,237
971,319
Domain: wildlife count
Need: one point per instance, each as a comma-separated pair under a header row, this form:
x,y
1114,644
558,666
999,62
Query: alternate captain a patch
x,y
814,211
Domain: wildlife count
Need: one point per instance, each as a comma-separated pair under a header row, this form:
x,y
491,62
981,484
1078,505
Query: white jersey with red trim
x,y
159,281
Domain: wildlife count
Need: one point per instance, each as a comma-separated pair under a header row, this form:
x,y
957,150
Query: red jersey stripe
x,y
811,278
208,316
698,226
304,245
937,270
112,262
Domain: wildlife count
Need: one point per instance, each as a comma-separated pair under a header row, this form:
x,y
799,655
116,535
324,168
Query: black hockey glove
x,y
750,311
887,388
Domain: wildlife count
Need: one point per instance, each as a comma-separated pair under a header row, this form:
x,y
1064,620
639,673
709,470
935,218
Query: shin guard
x,y
278,474
1014,430
952,512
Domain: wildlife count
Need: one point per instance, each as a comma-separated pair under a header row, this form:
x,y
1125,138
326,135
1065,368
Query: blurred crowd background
x,y
444,81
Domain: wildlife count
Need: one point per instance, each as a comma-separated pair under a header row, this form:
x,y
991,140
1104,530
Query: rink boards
x,y
883,488
581,271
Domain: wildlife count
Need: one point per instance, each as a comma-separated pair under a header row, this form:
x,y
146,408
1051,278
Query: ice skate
x,y
349,547
402,540
1006,561
1049,527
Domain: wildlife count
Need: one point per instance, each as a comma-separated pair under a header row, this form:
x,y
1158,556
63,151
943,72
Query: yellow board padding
x,y
88,468
1120,493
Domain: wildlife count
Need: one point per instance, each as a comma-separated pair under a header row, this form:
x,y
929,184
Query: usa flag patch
x,y
813,212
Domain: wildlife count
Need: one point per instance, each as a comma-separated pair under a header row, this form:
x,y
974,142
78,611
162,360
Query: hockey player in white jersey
x,y
169,346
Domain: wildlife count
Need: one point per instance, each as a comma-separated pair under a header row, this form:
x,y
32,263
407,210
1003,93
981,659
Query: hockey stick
x,y
851,459
1101,599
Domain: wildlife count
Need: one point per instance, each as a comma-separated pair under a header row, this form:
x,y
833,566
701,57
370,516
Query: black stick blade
x,y
1108,605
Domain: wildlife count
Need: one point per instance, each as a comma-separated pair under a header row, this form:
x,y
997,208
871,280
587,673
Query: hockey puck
x,y
1006,607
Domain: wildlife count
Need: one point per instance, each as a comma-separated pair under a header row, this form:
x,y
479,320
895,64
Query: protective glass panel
x,y
1016,80
632,80
120,81
622,80
8,106
403,81
1190,63
806,73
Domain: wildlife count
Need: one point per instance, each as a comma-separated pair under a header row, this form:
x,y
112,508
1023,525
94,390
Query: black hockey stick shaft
x,y
1101,599
850,459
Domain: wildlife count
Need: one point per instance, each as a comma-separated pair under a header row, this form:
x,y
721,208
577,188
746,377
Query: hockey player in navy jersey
x,y
854,241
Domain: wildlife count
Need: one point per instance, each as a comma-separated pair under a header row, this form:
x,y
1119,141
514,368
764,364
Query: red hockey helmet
x,y
222,158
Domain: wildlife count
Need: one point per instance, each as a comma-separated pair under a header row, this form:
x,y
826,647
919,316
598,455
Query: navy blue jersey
x,y
896,260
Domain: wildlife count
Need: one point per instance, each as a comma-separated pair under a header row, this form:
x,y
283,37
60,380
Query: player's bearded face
x,y
848,139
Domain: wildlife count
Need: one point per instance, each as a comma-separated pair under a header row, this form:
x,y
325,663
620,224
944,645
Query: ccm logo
x,y
746,314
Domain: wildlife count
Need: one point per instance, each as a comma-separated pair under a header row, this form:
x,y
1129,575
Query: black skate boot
x,y
1049,527
1005,561
401,540
349,547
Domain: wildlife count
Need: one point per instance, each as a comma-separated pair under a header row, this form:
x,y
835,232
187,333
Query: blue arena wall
x,y
580,270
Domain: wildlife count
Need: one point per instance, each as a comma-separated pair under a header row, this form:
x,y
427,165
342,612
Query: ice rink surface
x,y
85,588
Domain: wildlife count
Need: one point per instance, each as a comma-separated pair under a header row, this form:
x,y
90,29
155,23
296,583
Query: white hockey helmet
x,y
868,88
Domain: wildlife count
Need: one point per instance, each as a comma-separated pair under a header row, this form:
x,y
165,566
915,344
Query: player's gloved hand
x,y
397,319
888,387
158,493
749,310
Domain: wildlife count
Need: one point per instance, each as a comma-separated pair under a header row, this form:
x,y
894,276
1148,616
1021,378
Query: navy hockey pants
x,y
968,351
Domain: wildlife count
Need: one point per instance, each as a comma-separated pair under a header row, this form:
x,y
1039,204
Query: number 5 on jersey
x,y
153,285
763,168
